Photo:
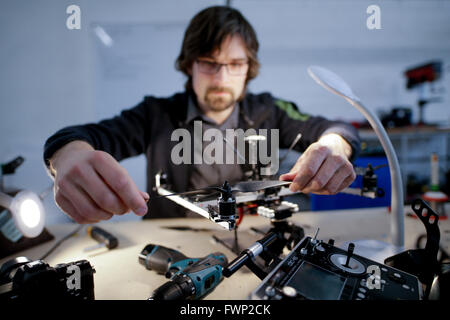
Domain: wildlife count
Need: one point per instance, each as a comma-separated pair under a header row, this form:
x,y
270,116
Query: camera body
x,y
23,279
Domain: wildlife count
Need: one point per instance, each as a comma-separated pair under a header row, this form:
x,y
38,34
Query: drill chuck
x,y
177,289
190,278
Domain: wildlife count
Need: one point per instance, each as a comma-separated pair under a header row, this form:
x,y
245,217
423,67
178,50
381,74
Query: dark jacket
x,y
147,128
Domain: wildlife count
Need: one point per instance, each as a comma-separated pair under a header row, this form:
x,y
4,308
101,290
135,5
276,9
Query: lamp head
x,y
28,213
332,82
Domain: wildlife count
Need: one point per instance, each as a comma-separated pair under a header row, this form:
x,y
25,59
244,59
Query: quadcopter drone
x,y
224,204
219,203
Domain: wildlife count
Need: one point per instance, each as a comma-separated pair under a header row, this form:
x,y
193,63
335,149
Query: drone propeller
x,y
244,186
247,186
361,171
253,186
204,191
379,166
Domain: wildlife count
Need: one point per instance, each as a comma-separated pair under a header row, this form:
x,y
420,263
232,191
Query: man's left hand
x,y
323,168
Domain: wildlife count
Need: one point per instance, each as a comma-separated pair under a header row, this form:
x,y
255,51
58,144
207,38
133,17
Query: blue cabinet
x,y
348,201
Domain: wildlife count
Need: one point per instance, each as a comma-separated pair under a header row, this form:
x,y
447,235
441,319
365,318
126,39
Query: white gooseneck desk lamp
x,y
378,250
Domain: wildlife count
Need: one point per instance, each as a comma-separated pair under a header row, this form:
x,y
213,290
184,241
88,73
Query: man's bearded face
x,y
218,91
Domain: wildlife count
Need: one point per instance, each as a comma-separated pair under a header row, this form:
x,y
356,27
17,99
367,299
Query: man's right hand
x,y
91,185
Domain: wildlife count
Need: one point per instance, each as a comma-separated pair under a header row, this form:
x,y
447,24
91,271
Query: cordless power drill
x,y
190,278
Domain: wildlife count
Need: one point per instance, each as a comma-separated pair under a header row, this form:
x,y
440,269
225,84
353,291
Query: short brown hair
x,y
206,32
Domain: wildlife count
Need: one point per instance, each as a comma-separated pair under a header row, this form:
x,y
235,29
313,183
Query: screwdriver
x,y
104,238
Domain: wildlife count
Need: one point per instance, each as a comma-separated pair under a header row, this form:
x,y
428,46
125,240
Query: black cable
x,y
58,243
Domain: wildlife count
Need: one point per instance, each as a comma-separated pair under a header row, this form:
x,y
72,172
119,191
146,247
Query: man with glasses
x,y
219,58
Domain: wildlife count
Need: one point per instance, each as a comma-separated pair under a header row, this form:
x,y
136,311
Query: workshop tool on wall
x,y
397,117
190,278
419,76
24,279
338,86
104,238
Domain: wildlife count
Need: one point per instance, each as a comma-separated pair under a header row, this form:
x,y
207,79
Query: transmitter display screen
x,y
315,283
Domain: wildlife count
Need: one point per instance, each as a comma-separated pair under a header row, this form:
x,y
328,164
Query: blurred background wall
x,y
51,77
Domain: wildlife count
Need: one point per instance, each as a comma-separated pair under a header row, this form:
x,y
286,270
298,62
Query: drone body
x,y
218,204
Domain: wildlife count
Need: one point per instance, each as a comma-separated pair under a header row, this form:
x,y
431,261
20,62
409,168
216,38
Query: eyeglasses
x,y
212,67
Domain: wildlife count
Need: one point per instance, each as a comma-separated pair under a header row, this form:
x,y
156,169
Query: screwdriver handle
x,y
102,236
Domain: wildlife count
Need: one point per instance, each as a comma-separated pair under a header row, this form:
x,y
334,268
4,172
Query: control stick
x,y
350,249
